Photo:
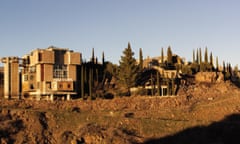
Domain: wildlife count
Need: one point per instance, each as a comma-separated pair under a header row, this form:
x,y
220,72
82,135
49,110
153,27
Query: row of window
x,y
59,71
48,85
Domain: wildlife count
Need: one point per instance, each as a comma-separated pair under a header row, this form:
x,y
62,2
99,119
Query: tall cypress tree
x,y
193,56
202,66
162,56
206,55
198,62
211,59
217,66
224,67
200,56
103,59
140,59
93,57
169,55
127,69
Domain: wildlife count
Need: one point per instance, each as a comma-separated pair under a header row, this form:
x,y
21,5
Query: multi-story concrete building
x,y
44,74
50,72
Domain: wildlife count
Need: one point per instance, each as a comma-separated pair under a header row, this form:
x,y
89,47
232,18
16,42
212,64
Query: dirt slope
x,y
120,120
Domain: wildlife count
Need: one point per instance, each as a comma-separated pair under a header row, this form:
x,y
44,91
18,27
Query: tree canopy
x,y
127,69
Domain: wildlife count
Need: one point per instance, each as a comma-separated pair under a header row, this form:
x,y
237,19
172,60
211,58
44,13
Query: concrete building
x,y
11,77
50,73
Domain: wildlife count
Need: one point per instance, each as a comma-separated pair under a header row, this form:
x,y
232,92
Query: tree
x,y
169,55
103,59
197,57
127,69
193,56
93,57
162,56
224,67
200,56
140,59
211,59
202,66
206,56
217,67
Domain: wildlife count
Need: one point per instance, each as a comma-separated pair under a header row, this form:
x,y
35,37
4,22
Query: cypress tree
x,y
193,56
103,59
211,59
224,67
169,55
206,56
127,69
202,66
140,59
198,62
162,56
217,66
200,56
93,57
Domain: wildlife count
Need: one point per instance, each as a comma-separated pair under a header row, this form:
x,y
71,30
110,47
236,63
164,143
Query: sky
x,y
108,26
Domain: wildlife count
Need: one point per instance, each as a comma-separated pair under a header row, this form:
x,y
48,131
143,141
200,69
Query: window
x,y
31,86
60,71
39,57
31,77
32,69
69,86
60,86
25,77
48,85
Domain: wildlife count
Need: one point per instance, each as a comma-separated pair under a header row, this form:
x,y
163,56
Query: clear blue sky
x,y
108,25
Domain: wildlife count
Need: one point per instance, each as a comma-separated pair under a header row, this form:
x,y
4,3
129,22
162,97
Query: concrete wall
x,y
1,82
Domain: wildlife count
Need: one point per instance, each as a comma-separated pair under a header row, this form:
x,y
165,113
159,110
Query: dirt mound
x,y
94,133
120,120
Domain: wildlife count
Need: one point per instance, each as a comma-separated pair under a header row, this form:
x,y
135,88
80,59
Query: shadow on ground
x,y
226,131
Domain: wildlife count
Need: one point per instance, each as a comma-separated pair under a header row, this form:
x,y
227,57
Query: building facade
x,y
50,73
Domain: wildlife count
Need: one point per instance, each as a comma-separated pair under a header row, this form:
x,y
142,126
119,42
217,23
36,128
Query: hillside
x,y
205,113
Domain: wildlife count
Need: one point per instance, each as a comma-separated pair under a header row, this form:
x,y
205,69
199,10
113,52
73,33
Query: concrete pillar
x,y
68,97
38,97
51,97
11,77
161,91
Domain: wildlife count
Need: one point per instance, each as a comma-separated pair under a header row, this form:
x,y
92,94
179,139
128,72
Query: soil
x,y
198,114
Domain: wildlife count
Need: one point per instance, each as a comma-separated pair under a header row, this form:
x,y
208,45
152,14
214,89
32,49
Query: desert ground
x,y
203,114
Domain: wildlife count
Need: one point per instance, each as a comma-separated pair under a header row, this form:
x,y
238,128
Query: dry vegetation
x,y
205,113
